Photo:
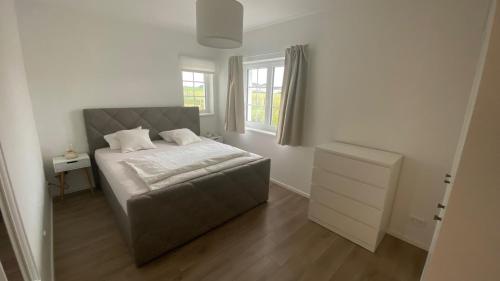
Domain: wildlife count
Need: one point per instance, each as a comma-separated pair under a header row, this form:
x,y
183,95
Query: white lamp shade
x,y
219,23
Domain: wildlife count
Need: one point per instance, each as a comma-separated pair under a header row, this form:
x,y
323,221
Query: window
x,y
197,88
197,83
263,82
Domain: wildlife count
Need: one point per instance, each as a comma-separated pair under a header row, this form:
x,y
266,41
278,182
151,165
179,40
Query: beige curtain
x,y
293,97
235,104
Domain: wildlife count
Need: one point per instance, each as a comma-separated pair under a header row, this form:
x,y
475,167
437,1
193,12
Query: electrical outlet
x,y
419,222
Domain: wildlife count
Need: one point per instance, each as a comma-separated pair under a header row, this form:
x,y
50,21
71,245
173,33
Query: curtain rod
x,y
267,54
269,57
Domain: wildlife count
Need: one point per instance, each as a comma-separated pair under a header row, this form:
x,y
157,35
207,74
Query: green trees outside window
x,y
263,94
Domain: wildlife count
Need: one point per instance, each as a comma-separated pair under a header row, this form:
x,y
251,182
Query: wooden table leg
x,y
87,171
61,185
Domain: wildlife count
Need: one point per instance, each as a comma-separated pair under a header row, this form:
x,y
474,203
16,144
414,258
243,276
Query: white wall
x,y
468,247
19,139
76,60
389,74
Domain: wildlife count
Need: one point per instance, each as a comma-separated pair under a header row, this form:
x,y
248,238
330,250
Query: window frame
x,y
208,78
270,64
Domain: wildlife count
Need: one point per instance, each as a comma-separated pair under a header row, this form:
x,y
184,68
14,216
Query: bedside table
x,y
63,165
217,138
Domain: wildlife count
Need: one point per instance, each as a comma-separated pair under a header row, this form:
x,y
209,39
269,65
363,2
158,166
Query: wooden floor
x,y
7,255
272,242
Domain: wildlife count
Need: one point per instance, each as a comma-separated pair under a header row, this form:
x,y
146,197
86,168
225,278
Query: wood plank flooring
x,y
274,241
7,255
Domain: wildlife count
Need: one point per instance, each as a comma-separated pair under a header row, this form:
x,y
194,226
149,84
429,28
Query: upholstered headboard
x,y
103,121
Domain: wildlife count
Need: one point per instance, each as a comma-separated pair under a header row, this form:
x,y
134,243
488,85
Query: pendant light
x,y
219,23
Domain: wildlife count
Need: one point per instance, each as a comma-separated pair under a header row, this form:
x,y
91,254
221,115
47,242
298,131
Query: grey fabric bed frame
x,y
161,220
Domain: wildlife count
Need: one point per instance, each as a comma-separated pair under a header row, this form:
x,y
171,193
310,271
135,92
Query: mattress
x,y
124,181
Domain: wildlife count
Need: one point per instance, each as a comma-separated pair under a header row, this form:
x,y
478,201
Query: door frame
x,y
14,224
3,277
465,127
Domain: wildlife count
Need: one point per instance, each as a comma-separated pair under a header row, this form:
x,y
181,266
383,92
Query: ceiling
x,y
181,13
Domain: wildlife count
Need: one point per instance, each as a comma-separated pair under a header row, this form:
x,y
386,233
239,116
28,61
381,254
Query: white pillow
x,y
180,136
165,136
113,141
133,140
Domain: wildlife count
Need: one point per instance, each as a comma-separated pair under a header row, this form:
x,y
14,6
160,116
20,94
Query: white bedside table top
x,y
61,159
216,138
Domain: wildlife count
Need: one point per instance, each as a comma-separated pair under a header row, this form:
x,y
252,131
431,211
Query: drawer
x,y
356,169
71,165
343,224
365,193
348,207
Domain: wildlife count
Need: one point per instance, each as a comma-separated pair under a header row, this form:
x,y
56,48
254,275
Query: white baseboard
x,y
403,237
291,188
396,234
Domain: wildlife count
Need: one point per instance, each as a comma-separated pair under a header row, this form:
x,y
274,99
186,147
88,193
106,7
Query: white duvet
x,y
163,168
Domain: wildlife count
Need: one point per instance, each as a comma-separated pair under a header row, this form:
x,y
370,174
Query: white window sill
x,y
264,132
207,114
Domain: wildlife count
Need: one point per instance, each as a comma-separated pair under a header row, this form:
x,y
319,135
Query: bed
x,y
154,222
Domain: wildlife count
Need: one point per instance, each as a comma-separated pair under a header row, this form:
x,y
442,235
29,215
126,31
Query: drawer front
x,y
365,193
72,165
362,171
348,207
345,224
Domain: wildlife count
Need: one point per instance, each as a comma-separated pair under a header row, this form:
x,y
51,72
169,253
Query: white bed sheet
x,y
124,181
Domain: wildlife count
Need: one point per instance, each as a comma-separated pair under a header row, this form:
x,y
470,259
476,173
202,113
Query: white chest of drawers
x,y
352,191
